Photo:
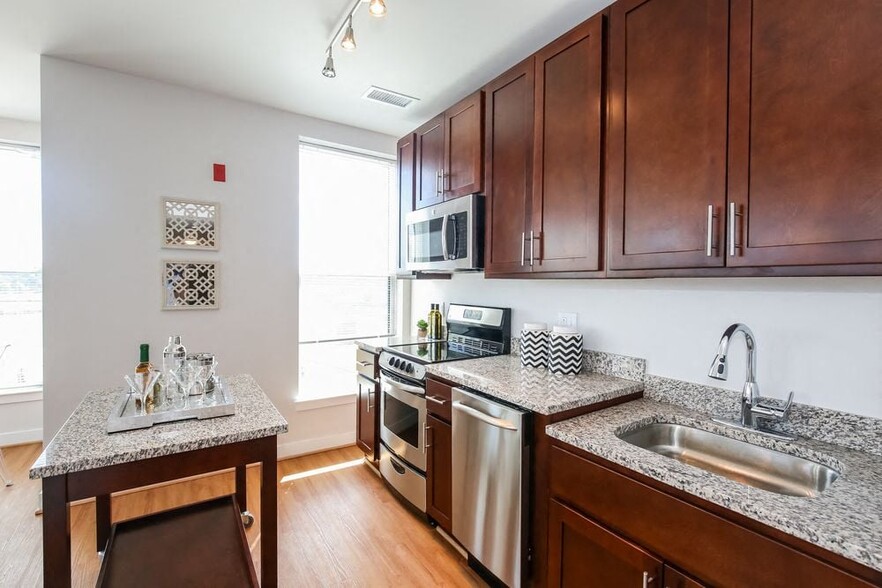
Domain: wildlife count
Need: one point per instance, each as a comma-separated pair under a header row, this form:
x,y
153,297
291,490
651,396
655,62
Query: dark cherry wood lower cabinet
x,y
439,485
582,554
367,417
675,579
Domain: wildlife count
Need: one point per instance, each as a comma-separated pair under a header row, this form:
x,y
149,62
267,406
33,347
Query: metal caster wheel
x,y
247,519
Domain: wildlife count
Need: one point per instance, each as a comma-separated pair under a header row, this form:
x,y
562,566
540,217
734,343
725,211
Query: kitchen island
x,y
83,461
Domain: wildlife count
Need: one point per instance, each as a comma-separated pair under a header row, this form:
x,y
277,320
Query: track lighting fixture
x,y
348,41
376,8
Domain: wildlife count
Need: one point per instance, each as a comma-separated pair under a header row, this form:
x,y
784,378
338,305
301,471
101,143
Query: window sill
x,y
317,403
24,394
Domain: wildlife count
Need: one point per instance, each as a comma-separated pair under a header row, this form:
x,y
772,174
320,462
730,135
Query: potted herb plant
x,y
422,328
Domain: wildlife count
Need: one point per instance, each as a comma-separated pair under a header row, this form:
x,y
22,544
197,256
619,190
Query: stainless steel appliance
x,y
489,496
473,331
447,237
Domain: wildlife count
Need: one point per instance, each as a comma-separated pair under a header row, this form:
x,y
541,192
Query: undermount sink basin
x,y
737,460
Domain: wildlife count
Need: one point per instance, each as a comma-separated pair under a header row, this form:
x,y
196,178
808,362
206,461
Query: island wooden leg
x,y
269,540
56,533
242,488
102,521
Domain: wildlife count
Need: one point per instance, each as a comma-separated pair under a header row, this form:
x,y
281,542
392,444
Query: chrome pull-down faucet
x,y
753,410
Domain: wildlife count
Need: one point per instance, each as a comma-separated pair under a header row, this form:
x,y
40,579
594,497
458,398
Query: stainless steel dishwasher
x,y
489,483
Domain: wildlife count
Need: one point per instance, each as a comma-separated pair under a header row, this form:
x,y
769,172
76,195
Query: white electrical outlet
x,y
568,319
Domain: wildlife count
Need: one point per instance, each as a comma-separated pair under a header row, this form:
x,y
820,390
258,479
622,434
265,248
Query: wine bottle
x,y
144,368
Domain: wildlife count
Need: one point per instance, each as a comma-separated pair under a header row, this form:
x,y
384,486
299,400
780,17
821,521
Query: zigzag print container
x,y
565,353
534,348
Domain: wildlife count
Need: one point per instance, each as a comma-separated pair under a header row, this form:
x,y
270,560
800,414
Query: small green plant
x,y
422,325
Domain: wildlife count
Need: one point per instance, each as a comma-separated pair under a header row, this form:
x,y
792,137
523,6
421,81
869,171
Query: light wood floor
x,y
337,527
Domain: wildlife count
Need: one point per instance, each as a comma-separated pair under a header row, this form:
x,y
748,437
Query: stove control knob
x,y
409,368
396,362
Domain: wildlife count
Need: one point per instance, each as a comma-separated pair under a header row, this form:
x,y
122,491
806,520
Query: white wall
x,y
21,415
113,146
821,337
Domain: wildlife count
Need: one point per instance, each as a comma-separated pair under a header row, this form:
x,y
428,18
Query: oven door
x,y
403,420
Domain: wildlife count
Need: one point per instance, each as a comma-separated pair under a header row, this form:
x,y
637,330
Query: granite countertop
x,y
845,519
83,443
503,377
377,344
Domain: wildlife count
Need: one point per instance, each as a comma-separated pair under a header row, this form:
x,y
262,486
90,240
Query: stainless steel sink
x,y
737,460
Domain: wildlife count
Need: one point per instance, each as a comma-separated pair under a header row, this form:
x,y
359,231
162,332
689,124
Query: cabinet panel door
x,y
806,132
667,145
508,174
406,191
464,157
430,161
582,554
675,579
567,224
366,418
439,481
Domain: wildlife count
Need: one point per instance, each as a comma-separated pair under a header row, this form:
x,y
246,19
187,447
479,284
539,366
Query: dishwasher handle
x,y
484,417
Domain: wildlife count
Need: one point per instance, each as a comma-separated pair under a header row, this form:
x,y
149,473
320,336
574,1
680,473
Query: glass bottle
x,y
144,368
173,357
434,320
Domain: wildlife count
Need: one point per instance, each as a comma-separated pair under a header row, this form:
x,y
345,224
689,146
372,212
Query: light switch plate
x,y
568,319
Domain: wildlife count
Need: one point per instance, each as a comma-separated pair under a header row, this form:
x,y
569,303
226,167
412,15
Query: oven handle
x,y
389,383
484,417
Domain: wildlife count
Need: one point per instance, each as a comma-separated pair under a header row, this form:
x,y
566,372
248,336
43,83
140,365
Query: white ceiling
x,y
272,51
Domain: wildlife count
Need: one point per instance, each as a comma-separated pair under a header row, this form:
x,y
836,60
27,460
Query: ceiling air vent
x,y
388,97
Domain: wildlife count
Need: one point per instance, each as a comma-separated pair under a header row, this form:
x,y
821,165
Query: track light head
x,y
348,41
328,71
377,8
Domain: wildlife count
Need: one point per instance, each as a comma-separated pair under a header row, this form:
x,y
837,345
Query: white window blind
x,y
21,268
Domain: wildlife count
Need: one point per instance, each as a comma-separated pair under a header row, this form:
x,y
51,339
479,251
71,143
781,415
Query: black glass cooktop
x,y
437,352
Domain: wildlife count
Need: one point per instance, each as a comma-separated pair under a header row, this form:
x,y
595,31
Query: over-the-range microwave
x,y
447,237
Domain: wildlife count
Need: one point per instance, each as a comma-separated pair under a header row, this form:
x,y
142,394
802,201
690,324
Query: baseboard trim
x,y
21,437
315,445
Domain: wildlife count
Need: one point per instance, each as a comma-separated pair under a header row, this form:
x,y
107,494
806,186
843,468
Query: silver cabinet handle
x,y
523,247
709,251
444,181
733,213
532,241
490,420
436,400
426,445
363,363
438,182
647,579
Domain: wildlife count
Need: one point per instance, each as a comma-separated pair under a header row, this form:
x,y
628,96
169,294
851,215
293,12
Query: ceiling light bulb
x,y
377,8
329,71
348,41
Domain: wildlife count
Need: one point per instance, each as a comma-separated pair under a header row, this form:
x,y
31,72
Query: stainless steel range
x,y
473,331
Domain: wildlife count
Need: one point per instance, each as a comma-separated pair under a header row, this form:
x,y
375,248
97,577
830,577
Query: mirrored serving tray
x,y
125,416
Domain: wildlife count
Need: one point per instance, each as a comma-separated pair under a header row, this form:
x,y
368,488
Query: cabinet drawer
x,y
438,399
714,550
365,363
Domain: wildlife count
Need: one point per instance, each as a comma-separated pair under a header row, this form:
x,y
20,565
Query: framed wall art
x,y
190,225
189,285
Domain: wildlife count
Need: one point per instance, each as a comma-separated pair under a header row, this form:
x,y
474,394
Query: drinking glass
x,y
185,374
141,385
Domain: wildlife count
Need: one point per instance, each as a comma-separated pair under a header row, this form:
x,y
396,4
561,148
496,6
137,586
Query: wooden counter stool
x,y
202,544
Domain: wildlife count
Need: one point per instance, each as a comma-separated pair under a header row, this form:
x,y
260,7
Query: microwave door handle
x,y
444,225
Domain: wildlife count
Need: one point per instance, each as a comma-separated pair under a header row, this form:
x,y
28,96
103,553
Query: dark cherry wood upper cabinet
x,y
429,163
439,472
508,169
675,579
667,135
464,147
406,191
567,219
806,132
582,554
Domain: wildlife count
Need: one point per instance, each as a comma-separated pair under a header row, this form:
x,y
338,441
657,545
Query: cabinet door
x,y
508,175
675,579
464,147
430,161
566,222
806,132
406,191
366,419
439,483
583,554
667,145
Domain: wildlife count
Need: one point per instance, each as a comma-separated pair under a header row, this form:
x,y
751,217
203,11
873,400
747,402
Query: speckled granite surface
x,y
534,389
840,428
83,444
601,362
845,519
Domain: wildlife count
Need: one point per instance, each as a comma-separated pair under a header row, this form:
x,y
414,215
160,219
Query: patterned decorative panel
x,y
189,285
190,225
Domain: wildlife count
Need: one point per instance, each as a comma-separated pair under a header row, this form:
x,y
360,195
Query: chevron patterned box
x,y
534,346
565,354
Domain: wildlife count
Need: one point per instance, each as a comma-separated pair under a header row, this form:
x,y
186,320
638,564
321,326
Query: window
x,y
348,236
21,268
